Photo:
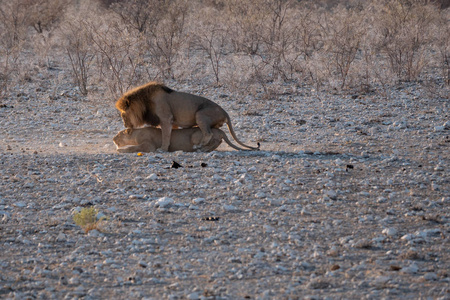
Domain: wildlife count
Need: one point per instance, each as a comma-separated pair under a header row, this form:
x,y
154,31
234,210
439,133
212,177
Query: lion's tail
x,y
227,140
233,134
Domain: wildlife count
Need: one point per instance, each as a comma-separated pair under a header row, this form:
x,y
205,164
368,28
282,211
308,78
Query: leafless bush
x,y
12,37
245,24
442,41
404,27
268,44
212,38
167,38
44,15
343,32
140,15
119,61
267,32
79,51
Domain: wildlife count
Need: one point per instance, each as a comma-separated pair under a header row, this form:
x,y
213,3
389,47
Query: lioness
x,y
149,139
157,105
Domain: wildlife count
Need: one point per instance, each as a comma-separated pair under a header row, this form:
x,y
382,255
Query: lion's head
x,y
136,106
132,111
125,138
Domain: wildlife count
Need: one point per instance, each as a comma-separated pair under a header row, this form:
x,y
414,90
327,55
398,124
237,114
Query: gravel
x,y
348,198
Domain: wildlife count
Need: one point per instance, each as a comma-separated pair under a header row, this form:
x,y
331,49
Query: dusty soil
x,y
348,198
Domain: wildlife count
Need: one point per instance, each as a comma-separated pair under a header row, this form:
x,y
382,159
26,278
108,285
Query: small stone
x,y
390,231
407,237
436,232
395,268
175,165
61,237
331,194
260,195
74,281
152,177
142,264
198,200
94,233
193,296
229,208
335,267
164,202
431,276
333,252
412,269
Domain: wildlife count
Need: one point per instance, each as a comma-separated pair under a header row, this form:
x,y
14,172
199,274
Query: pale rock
x,y
446,125
411,269
390,231
229,208
164,202
61,237
74,281
331,194
435,232
152,176
430,276
407,237
193,296
198,201
260,195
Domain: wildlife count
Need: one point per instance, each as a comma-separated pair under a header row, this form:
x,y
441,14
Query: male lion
x,y
157,105
149,139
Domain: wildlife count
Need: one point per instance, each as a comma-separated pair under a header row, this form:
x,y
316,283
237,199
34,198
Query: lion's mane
x,y
136,105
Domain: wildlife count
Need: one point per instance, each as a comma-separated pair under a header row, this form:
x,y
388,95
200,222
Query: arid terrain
x,y
348,198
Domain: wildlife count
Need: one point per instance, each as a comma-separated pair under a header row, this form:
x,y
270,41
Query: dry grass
x,y
246,45
87,218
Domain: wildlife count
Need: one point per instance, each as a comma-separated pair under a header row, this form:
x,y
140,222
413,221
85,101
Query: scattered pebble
x,y
164,202
350,200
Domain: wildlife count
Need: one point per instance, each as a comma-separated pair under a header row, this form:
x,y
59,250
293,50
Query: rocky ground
x,y
348,198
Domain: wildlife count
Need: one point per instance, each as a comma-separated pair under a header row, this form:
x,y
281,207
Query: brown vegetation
x,y
260,44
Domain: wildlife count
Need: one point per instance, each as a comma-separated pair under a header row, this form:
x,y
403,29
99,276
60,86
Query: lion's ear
x,y
126,103
123,104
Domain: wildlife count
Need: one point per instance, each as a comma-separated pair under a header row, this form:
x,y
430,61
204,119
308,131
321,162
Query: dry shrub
x,y
79,51
343,33
257,45
213,39
119,59
12,37
404,30
267,33
45,15
159,26
441,32
138,14
88,219
167,39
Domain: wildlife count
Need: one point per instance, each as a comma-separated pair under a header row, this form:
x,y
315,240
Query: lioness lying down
x,y
149,139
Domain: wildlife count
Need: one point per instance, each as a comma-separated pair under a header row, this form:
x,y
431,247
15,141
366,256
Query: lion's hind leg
x,y
207,134
208,118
